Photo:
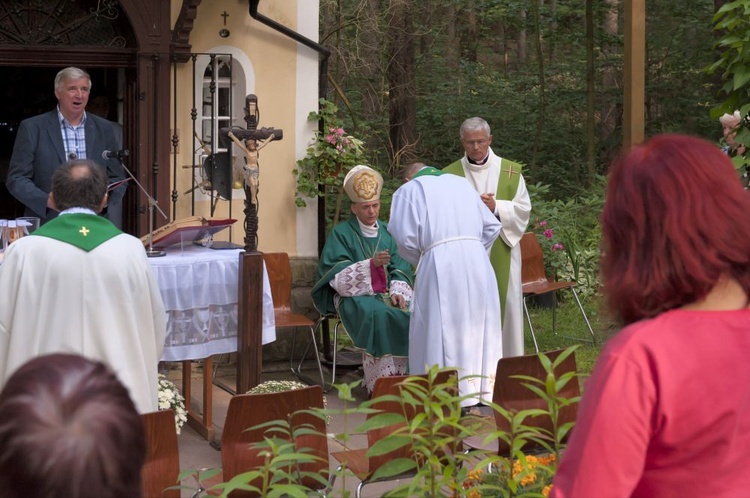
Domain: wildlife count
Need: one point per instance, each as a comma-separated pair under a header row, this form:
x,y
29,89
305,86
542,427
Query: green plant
x,y
433,436
577,228
329,157
521,474
555,256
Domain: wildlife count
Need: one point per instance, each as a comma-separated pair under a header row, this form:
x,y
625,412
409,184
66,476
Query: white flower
x,y
170,398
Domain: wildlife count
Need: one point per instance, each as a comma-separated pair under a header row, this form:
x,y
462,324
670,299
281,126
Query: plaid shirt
x,y
74,137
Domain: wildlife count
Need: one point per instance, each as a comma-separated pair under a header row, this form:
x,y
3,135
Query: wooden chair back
x,y
393,385
280,278
532,260
249,410
511,394
162,466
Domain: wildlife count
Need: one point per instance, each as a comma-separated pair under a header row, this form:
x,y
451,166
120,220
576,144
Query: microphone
x,y
115,154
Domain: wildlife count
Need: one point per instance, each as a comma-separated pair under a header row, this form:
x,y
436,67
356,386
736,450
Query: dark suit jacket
x,y
39,151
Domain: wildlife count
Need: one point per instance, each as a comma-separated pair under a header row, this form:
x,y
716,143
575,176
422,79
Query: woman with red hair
x,y
666,411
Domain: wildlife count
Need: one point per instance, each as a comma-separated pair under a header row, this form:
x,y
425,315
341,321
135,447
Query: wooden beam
x,y
249,321
635,76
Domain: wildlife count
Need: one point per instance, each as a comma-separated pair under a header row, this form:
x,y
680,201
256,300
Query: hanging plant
x,y
329,157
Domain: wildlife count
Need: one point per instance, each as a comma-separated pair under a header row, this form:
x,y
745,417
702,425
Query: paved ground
x,y
197,453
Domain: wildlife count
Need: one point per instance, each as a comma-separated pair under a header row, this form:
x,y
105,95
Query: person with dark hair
x,y
665,412
68,132
443,228
78,284
68,428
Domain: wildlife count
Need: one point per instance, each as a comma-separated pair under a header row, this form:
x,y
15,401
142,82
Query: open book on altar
x,y
187,230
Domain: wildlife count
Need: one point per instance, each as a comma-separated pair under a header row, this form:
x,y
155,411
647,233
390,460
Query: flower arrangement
x,y
171,399
329,157
555,256
528,474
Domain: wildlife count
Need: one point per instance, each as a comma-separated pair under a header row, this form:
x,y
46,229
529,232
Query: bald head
x,y
79,183
412,169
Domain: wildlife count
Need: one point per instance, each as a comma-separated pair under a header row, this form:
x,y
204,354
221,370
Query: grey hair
x,y
70,73
474,124
731,119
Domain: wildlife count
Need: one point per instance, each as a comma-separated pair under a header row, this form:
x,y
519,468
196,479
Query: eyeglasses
x,y
481,143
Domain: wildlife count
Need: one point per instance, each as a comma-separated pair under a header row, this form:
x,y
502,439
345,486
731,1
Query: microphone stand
x,y
152,203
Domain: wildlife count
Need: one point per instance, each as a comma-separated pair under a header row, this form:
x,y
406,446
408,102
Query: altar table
x,y
199,287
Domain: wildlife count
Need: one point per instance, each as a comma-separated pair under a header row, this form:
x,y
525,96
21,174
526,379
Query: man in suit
x,y
68,132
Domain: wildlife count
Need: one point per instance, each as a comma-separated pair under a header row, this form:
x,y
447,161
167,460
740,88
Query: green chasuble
x,y
507,186
371,321
85,231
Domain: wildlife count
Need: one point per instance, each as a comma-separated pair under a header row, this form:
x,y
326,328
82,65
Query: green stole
x,y
427,171
85,231
507,186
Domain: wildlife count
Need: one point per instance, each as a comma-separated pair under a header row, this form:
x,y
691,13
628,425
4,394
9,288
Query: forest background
x,y
547,75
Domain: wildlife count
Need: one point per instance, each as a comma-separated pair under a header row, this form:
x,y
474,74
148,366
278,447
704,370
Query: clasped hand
x,y
381,258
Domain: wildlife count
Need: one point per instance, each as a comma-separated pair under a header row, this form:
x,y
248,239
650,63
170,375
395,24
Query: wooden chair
x,y
512,395
534,282
246,411
357,461
162,466
280,278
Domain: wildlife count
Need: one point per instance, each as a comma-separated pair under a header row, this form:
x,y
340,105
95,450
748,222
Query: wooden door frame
x,y
149,124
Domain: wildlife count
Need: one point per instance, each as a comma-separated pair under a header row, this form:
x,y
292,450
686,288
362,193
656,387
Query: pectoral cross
x,y
85,231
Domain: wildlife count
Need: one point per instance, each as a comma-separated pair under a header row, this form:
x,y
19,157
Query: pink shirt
x,y
666,412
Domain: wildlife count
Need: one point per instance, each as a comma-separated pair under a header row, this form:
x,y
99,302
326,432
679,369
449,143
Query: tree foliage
x,y
407,86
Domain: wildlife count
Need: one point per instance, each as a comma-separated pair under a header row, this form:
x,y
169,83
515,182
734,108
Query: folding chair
x,y
162,466
356,460
280,277
534,283
512,395
243,429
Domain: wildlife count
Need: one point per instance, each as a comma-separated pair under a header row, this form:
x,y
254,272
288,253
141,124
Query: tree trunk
x,y
471,41
522,39
540,67
369,50
610,116
402,81
590,89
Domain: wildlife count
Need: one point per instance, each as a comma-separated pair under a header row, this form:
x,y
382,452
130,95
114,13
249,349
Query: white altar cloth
x,y
199,289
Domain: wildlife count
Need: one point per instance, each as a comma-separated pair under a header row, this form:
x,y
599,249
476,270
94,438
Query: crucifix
x,y
250,319
225,15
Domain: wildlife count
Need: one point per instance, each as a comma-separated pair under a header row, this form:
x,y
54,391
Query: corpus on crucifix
x,y
250,141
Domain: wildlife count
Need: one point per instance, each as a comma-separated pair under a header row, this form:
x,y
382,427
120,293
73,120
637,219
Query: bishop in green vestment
x,y
363,279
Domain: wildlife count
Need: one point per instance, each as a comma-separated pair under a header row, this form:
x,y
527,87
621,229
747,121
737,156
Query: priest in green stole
x,y
363,279
503,191
79,285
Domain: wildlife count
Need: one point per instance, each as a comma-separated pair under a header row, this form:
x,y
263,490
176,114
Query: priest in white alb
x,y
442,227
503,191
79,285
